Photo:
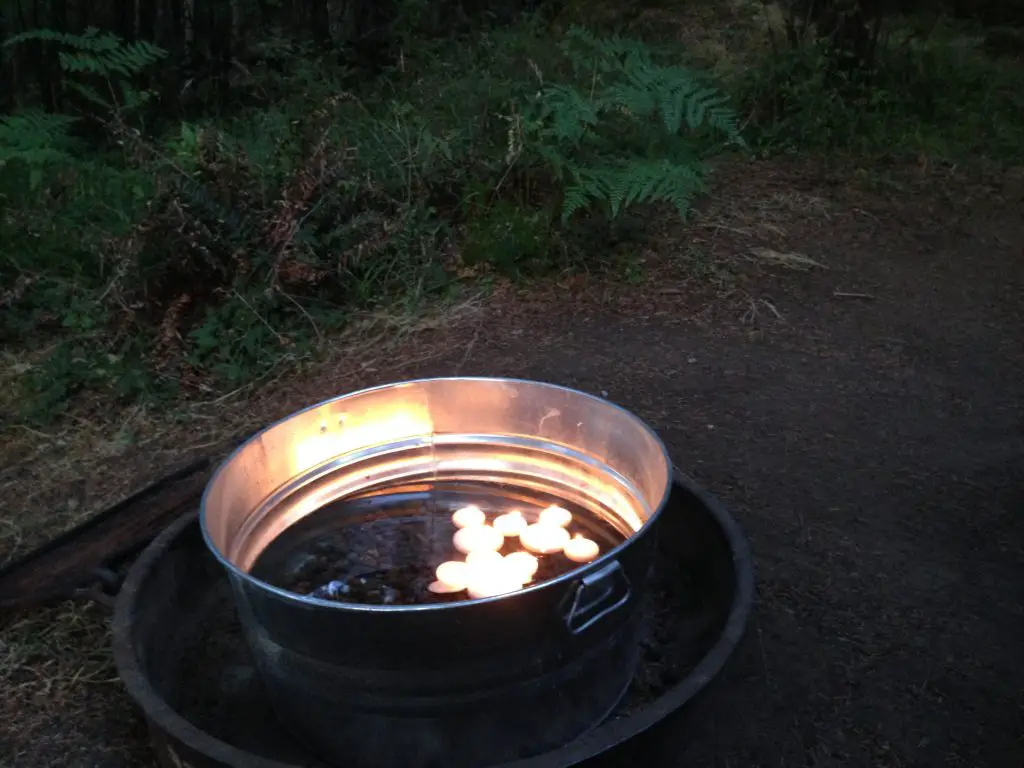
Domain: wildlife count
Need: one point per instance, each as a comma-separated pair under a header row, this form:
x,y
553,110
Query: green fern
x,y
34,136
621,185
36,140
95,52
41,140
631,130
100,54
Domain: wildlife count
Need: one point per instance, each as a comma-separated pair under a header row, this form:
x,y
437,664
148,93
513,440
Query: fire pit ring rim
x,y
675,698
164,719
577,574
129,666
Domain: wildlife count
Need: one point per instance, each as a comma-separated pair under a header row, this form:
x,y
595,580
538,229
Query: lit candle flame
x,y
453,574
476,537
469,517
556,516
524,564
483,560
544,539
494,584
581,549
485,572
511,524
490,575
441,588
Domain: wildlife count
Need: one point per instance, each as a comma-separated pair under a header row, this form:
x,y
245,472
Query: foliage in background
x,y
628,136
188,213
202,252
917,86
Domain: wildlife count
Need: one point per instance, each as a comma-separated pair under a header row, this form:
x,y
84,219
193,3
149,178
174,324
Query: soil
x,y
845,370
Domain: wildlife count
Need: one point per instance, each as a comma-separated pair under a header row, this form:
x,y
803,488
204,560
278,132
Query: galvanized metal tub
x,y
464,684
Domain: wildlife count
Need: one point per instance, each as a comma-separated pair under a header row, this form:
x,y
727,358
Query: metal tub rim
x,y
656,503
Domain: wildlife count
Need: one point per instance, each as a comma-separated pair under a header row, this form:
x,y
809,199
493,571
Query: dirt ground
x,y
845,369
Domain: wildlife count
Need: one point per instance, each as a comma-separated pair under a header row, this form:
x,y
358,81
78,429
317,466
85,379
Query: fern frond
x,y
35,137
574,199
90,94
569,113
37,141
95,52
636,102
604,54
623,184
673,111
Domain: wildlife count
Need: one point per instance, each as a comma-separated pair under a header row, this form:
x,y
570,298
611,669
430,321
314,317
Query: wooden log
x,y
81,563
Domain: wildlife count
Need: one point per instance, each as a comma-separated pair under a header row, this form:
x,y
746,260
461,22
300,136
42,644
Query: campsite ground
x,y
842,365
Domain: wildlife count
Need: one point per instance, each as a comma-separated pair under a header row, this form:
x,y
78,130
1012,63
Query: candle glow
x,y
490,574
485,571
544,539
580,549
556,516
494,584
441,588
476,537
511,524
481,560
524,564
468,517
453,573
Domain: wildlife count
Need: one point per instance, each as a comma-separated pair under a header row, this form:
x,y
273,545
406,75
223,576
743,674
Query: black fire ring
x,y
179,648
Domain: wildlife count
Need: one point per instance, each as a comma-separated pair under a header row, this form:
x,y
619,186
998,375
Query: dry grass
x,y
60,689
52,480
35,663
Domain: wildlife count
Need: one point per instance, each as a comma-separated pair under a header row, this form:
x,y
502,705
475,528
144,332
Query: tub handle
x,y
596,595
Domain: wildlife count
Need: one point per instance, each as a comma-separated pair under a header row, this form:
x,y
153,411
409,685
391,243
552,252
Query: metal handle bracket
x,y
597,595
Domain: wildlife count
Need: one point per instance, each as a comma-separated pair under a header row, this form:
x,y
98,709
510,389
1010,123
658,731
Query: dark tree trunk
x,y
320,19
42,53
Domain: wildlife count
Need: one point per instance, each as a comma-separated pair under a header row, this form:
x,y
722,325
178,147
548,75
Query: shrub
x,y
170,257
931,92
634,133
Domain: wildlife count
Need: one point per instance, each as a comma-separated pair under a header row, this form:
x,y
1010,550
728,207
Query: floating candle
x,y
557,516
523,563
510,524
492,581
476,537
440,588
483,560
490,575
544,539
468,517
581,549
452,577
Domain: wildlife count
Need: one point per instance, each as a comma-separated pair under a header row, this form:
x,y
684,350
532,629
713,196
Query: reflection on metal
x,y
536,436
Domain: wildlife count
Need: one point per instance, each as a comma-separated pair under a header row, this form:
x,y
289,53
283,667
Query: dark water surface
x,y
383,549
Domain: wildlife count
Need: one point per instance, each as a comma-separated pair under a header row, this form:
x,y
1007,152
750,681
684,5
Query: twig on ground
x,y
852,295
791,259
